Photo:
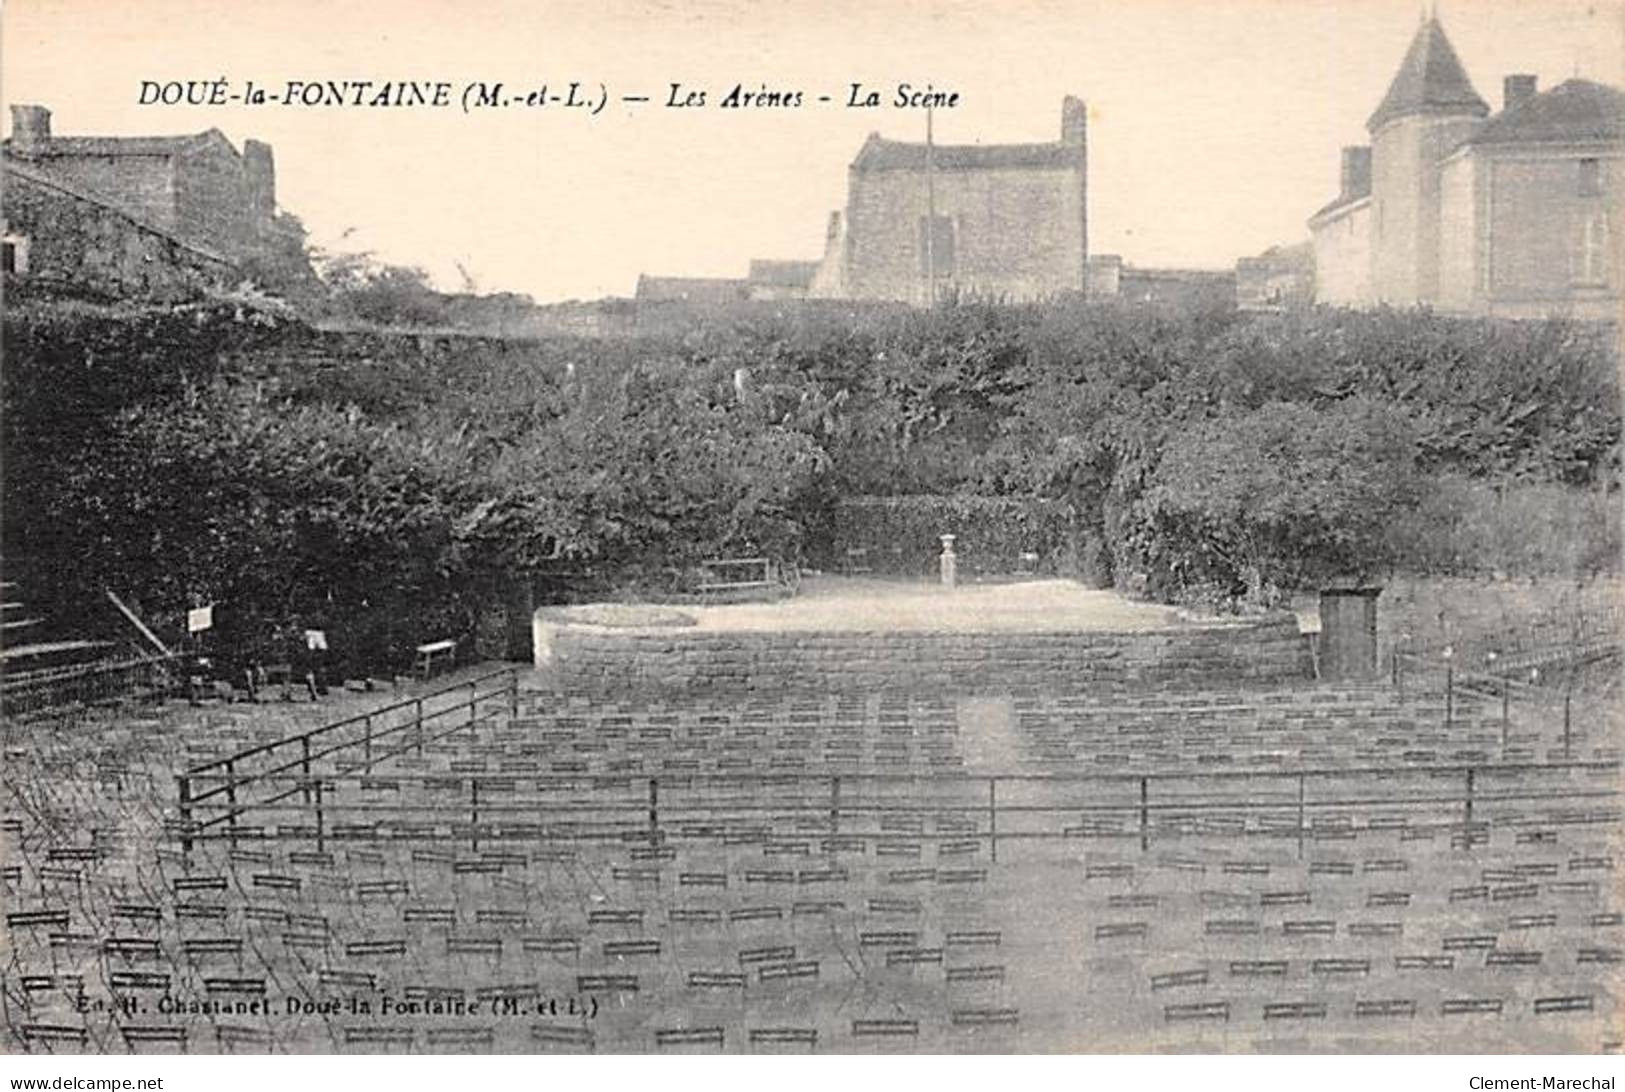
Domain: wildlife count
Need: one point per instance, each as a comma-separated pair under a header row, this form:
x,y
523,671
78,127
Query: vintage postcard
x,y
797,528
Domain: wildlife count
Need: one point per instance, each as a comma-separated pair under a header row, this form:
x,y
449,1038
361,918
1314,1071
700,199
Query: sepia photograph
x,y
715,527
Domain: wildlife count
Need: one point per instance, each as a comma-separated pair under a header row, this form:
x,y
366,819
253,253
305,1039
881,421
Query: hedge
x,y
900,536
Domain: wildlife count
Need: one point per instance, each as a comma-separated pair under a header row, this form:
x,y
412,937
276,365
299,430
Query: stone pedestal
x,y
949,562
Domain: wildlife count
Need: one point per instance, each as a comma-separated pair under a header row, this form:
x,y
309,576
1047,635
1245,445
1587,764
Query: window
x,y
1591,254
14,253
1589,181
937,248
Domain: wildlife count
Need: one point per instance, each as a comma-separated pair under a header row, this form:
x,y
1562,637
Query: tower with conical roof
x,y
1430,109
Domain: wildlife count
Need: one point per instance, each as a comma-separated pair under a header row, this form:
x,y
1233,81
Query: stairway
x,y
27,644
40,666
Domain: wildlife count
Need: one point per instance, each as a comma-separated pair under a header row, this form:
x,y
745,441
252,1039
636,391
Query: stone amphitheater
x,y
726,833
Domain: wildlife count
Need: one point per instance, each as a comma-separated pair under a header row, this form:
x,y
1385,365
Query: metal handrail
x,y
358,718
829,801
188,800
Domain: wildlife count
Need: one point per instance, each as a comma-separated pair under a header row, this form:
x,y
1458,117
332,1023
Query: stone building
x,y
197,191
773,279
704,291
996,220
1280,278
767,279
57,234
1112,280
1455,208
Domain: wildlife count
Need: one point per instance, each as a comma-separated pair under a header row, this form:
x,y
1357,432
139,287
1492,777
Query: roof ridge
x,y
880,153
111,145
1578,110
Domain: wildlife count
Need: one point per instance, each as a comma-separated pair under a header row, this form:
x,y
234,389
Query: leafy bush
x,y
1465,527
901,535
225,451
1252,503
177,473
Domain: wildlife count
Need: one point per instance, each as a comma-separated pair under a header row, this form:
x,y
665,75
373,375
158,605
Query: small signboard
x,y
200,619
316,640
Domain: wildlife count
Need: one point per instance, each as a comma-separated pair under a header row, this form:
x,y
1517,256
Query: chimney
x,y
1356,180
30,128
1074,121
260,168
1516,88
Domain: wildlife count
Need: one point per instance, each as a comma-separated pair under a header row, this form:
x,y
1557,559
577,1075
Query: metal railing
x,y
225,785
1453,679
79,684
842,807
1573,622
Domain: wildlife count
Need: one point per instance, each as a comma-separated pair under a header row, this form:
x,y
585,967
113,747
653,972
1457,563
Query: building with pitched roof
x,y
707,291
196,190
776,279
998,220
56,233
1452,207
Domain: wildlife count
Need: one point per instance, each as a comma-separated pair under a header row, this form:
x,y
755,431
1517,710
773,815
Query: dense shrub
x,y
226,451
1465,527
901,535
182,480
1255,502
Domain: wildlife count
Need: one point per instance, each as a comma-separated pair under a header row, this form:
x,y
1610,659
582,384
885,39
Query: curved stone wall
x,y
608,660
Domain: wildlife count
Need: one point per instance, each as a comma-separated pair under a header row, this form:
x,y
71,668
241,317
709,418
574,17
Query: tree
x,y
283,266
1251,503
364,289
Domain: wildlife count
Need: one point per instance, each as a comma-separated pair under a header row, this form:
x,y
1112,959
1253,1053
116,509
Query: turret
x,y
1429,110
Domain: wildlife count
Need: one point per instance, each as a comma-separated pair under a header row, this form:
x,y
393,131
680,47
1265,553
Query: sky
x,y
1214,125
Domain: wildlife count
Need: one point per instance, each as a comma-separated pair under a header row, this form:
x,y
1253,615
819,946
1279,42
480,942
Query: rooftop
x,y
116,145
878,154
689,289
1430,80
783,274
1575,111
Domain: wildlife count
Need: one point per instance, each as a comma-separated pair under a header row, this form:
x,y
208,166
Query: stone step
x,y
38,655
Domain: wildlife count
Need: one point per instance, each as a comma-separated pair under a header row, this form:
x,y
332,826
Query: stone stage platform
x,y
847,634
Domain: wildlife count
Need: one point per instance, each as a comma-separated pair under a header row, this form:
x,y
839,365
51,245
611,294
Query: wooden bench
x,y
428,654
856,561
737,574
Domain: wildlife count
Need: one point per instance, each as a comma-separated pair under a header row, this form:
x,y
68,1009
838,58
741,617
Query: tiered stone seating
x,y
1320,726
1371,945
767,909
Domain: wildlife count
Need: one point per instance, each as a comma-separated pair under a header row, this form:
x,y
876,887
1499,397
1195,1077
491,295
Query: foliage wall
x,y
227,452
901,535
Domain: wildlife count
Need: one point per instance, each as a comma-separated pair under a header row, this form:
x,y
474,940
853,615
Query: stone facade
x,y
604,662
1280,278
768,280
56,234
1011,220
197,188
1455,208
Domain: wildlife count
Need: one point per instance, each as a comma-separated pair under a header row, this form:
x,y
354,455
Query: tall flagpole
x,y
930,213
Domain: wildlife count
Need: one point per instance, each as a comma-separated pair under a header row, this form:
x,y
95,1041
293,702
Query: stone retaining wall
x,y
603,661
